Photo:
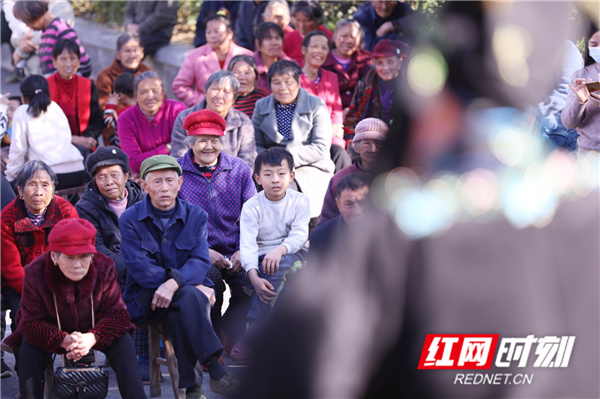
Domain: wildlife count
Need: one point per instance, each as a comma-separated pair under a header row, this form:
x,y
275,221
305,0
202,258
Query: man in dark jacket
x,y
106,197
385,20
166,251
352,192
153,21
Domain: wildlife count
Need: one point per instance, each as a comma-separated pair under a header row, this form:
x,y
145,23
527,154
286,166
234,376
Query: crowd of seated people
x,y
276,130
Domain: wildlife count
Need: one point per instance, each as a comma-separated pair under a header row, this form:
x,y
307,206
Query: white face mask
x,y
595,53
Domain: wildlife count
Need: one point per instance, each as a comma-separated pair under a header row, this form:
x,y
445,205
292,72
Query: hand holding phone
x,y
593,86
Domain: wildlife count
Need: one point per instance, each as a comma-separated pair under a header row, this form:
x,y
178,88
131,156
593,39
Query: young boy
x,y
273,229
120,99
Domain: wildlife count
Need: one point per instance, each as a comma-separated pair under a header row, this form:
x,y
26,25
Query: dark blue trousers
x,y
188,324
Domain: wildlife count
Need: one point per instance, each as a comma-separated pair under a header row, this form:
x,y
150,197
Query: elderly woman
x,y
26,222
278,12
145,129
200,63
269,48
105,199
219,184
244,69
347,59
76,96
307,16
324,84
74,286
128,58
299,122
375,93
40,131
221,90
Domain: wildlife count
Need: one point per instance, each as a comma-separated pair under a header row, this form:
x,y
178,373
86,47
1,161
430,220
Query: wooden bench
x,y
156,331
69,193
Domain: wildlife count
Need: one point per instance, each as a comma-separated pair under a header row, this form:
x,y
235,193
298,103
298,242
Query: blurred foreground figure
x,y
479,231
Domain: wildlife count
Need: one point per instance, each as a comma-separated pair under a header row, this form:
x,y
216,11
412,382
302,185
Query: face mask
x,y
595,53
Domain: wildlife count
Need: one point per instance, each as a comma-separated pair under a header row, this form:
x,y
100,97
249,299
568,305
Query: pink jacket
x,y
199,64
328,89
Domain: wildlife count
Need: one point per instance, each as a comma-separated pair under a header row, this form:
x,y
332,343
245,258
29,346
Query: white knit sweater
x,y
47,138
265,225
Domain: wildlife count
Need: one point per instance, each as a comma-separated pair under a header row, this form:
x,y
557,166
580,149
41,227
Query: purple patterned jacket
x,y
221,197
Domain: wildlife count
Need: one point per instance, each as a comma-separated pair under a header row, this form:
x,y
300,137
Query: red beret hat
x,y
390,48
73,237
204,122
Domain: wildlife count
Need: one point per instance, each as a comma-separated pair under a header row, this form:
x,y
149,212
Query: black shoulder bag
x,y
80,382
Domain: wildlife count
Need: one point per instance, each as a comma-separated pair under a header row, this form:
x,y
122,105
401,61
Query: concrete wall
x,y
100,43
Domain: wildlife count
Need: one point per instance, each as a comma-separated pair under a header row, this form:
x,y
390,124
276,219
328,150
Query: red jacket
x,y
360,64
22,242
327,89
37,317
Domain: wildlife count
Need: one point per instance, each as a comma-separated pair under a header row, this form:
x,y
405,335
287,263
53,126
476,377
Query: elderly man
x,y
220,184
352,196
369,136
165,248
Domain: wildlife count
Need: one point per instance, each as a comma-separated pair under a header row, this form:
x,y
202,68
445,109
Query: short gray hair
x,y
219,78
125,37
144,76
30,168
280,2
345,22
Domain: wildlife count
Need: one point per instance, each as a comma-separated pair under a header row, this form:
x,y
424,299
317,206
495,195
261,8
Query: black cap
x,y
106,156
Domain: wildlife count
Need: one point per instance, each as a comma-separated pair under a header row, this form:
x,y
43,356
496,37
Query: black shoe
x,y
4,370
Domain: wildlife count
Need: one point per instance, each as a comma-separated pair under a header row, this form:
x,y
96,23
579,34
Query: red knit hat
x,y
204,122
390,48
73,237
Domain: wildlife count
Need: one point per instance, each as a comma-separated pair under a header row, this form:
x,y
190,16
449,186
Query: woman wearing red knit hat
x,y
64,290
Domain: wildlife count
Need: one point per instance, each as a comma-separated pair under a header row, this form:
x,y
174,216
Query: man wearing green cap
x,y
164,245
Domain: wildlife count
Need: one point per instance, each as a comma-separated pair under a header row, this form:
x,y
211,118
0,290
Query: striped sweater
x,y
59,29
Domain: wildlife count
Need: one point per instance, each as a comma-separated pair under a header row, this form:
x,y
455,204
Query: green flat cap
x,y
159,162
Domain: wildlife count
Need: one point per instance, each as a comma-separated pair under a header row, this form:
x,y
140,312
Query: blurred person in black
x,y
356,326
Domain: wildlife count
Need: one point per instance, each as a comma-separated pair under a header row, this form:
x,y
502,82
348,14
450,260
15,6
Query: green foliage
x,y
335,11
106,12
427,7
112,12
187,14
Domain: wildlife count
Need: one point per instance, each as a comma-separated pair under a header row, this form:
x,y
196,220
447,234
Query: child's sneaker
x,y
226,386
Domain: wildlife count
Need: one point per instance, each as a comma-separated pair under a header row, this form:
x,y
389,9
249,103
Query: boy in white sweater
x,y
273,228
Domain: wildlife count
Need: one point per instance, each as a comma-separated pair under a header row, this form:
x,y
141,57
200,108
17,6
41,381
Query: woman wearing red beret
x,y
374,94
